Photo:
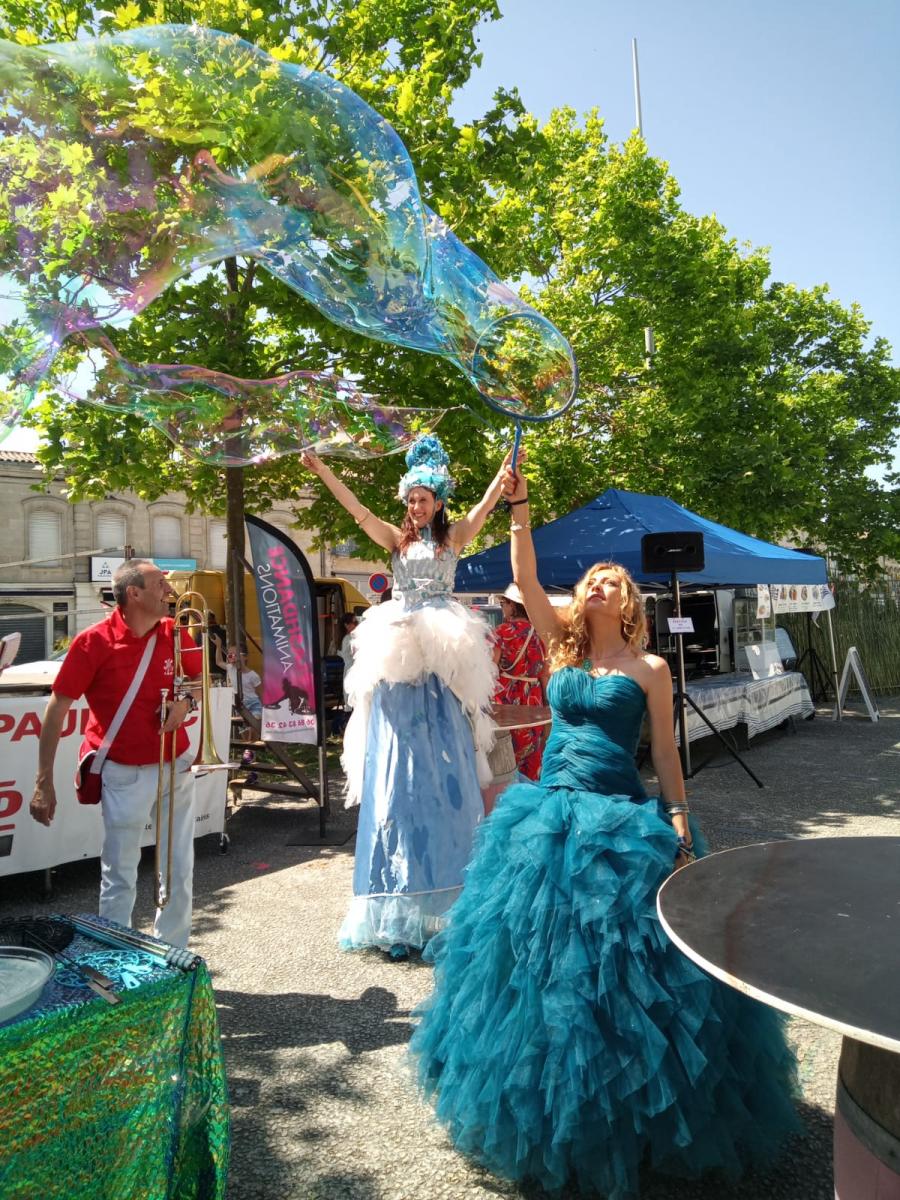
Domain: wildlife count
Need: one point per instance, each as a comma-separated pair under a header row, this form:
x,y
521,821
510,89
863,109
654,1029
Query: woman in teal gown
x,y
567,1039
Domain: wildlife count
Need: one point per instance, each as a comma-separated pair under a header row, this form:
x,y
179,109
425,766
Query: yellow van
x,y
334,597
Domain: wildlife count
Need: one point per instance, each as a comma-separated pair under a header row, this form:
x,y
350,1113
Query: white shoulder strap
x,y
122,710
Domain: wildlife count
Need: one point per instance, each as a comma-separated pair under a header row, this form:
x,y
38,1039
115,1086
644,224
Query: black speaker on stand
x,y
671,553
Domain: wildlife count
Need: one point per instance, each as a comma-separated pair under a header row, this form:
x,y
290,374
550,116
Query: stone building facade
x,y
78,545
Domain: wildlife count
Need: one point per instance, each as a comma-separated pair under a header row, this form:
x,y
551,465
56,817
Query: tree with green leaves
x,y
233,318
764,406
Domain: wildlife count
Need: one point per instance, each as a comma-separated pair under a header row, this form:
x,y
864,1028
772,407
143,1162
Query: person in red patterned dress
x,y
522,673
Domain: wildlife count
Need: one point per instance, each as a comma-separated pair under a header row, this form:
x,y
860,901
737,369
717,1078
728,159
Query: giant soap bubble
x,y
226,421
130,162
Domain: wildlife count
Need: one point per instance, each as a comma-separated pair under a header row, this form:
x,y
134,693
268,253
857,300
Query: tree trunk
x,y
234,596
234,476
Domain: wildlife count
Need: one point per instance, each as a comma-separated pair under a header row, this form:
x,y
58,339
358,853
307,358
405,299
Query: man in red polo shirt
x,y
101,664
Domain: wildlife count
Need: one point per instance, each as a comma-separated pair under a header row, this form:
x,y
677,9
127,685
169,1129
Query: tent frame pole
x,y
838,713
684,747
682,697
818,675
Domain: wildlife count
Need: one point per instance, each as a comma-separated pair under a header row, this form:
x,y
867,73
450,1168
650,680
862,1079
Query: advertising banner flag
x,y
286,596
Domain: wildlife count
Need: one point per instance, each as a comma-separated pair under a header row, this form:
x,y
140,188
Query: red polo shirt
x,y
100,665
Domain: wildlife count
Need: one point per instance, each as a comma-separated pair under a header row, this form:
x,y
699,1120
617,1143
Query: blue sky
x,y
782,117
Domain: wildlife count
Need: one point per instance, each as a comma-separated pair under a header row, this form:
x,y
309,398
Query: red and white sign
x,y
77,829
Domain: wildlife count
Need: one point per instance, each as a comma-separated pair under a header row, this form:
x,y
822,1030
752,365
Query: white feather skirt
x,y
394,644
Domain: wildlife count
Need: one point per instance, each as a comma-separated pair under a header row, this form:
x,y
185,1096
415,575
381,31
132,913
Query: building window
x,y
60,623
166,537
31,624
110,531
218,545
45,538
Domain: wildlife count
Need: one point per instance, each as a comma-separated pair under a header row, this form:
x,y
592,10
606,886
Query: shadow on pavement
x,y
266,1023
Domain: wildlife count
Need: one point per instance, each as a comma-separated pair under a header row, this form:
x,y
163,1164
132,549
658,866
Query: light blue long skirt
x,y
419,808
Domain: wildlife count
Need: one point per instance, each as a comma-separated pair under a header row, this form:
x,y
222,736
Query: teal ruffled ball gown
x,y
567,1039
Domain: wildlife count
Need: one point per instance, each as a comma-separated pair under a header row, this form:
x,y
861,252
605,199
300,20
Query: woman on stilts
x,y
415,748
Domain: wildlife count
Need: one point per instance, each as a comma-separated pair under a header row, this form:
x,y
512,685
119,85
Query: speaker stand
x,y
682,698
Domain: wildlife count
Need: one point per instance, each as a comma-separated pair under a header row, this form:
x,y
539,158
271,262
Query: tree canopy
x,y
764,405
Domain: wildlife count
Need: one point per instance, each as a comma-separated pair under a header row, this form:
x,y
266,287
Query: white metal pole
x,y
649,340
639,124
838,711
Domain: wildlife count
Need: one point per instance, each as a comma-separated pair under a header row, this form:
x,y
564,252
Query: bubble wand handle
x,y
517,443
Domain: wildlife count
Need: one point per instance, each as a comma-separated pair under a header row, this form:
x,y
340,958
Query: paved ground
x,y
314,1039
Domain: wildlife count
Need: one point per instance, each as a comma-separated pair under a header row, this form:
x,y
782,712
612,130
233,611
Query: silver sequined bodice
x,y
420,576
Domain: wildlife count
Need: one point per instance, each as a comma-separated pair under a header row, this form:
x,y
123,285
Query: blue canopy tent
x,y
610,528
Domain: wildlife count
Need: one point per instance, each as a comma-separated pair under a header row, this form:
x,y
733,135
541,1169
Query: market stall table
x,y
812,927
114,1100
739,699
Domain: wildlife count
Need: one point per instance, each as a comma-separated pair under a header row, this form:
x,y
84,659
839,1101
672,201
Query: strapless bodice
x,y
421,575
596,726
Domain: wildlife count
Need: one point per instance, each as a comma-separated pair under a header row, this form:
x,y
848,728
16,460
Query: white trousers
x,y
128,801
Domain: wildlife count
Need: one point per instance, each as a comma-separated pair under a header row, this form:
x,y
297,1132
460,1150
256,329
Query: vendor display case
x,y
749,627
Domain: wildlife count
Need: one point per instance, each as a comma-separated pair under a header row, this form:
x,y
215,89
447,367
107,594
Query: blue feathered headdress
x,y
427,462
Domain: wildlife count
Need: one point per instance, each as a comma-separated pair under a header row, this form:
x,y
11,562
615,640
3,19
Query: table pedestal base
x,y
867,1124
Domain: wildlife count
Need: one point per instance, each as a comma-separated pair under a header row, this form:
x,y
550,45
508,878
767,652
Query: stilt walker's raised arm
x,y
381,532
468,527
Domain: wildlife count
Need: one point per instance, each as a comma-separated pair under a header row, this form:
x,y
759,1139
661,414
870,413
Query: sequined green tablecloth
x,y
115,1102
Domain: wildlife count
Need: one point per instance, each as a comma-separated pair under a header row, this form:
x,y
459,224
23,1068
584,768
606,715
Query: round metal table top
x,y
520,716
811,927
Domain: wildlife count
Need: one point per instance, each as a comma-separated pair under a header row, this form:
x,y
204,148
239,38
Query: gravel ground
x,y
314,1039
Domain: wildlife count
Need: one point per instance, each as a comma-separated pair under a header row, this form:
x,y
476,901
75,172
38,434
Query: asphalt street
x,y
322,1100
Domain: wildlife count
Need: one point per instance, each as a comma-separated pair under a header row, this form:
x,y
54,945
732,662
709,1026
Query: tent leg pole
x,y
684,747
838,711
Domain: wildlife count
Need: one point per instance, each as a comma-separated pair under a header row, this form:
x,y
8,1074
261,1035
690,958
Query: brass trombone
x,y
191,615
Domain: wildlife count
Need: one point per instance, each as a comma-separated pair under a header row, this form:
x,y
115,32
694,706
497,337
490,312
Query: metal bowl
x,y
23,974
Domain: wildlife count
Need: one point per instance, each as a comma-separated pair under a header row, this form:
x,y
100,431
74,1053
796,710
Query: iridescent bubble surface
x,y
128,163
226,421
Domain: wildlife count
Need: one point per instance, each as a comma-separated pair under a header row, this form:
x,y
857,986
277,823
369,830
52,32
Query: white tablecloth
x,y
760,704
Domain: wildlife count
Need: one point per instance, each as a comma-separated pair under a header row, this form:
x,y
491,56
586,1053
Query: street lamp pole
x,y
649,340
639,124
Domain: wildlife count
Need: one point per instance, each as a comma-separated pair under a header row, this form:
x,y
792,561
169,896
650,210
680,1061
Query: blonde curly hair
x,y
574,643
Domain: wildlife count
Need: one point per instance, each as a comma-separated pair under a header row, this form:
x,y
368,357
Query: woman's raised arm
x,y
381,532
469,526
